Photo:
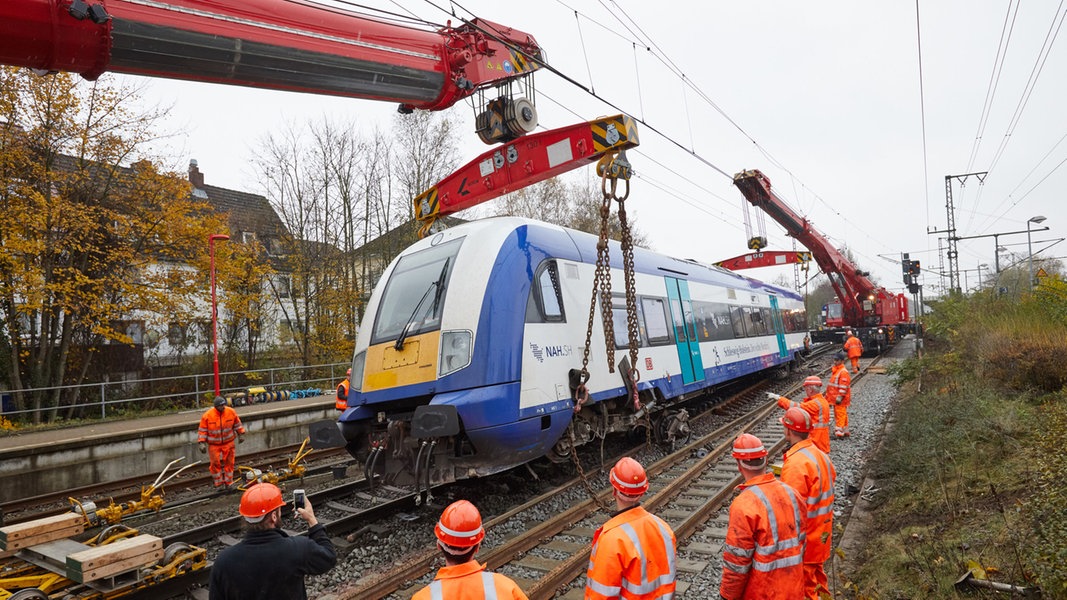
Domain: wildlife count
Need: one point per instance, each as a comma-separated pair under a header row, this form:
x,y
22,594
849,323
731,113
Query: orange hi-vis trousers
x,y
222,459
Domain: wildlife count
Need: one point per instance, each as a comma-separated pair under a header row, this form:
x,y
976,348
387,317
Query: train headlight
x,y
355,381
455,351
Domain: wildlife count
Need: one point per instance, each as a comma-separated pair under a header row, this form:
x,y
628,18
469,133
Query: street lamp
x,y
1030,250
214,306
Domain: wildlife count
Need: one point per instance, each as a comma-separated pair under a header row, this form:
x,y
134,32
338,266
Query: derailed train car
x,y
467,356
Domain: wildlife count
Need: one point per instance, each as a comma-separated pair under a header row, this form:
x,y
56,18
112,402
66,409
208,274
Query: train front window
x,y
415,294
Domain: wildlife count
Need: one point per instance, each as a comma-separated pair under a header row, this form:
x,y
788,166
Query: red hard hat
x,y
259,500
748,447
460,525
797,419
813,380
628,477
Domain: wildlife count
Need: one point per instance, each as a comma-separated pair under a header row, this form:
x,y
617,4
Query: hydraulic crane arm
x,y
293,45
524,162
852,287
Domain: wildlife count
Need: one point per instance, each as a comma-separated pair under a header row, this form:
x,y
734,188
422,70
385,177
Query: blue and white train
x,y
468,352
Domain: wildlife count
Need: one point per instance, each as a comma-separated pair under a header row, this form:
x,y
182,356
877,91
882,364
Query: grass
x,y
973,472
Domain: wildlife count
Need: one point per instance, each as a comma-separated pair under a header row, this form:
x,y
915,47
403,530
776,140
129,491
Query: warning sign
x,y
1041,273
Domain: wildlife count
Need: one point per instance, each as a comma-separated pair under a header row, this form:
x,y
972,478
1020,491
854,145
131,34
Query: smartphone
x,y
298,499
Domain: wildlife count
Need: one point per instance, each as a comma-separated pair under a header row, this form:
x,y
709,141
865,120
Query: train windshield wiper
x,y
438,286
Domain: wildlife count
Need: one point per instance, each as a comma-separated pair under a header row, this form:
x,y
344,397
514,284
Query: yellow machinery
x,y
151,499
293,470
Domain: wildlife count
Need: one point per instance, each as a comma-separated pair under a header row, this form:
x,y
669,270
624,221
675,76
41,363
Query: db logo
x,y
648,363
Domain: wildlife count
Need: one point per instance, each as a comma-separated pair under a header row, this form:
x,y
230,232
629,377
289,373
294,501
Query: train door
x,y
779,328
685,334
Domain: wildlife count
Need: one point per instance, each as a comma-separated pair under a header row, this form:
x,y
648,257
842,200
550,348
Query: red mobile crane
x,y
292,45
876,315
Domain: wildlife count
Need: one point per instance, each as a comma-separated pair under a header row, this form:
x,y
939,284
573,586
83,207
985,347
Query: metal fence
x,y
92,400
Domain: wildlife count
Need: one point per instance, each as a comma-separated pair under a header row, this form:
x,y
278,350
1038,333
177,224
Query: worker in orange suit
x,y
763,555
839,395
459,535
634,554
218,427
854,348
815,404
342,393
810,472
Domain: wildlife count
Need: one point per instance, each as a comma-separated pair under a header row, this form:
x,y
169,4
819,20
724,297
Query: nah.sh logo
x,y
559,350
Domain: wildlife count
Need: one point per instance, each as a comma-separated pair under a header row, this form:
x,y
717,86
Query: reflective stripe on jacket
x,y
819,408
763,554
342,396
469,581
633,558
854,347
810,472
219,428
839,390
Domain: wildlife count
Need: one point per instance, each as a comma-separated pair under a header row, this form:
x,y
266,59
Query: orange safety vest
x,y
810,472
854,347
219,428
839,389
633,558
819,409
763,554
469,581
342,396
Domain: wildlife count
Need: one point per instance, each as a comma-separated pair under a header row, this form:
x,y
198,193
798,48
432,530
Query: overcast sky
x,y
823,97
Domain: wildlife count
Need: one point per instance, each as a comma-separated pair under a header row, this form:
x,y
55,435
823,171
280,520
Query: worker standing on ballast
x,y
816,405
459,536
839,395
218,427
634,554
763,554
854,348
342,392
269,563
810,472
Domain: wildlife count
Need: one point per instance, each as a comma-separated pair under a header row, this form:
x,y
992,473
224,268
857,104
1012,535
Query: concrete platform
x,y
42,462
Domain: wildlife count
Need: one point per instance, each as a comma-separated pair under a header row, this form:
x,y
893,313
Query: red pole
x,y
214,306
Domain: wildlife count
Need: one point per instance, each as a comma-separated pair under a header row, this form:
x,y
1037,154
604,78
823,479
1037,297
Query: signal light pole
x,y
1039,219
215,307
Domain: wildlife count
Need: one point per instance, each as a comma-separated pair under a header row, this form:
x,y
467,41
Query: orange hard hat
x,y
797,419
748,447
813,380
260,500
460,526
628,477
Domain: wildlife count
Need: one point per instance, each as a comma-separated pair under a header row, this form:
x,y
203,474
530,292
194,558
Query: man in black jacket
x,y
269,564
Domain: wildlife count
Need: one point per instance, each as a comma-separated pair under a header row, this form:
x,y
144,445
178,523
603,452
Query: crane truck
x,y
876,315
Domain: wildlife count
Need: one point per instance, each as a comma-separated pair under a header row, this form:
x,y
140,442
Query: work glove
x,y
240,439
773,396
202,447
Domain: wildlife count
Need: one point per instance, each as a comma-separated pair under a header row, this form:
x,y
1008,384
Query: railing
x,y
188,391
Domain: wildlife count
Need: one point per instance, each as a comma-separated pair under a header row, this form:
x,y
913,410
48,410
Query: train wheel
x,y
561,452
174,551
29,594
672,430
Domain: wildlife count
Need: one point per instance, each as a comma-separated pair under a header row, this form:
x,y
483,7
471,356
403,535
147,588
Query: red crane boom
x,y
290,45
863,303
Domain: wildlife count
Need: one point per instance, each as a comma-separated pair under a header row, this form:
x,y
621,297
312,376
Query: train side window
x,y
756,326
656,326
618,319
737,314
545,304
713,321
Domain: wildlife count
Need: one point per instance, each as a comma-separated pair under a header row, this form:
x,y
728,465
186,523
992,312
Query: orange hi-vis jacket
x,y
839,389
819,409
469,581
633,558
854,347
342,396
810,472
219,428
763,555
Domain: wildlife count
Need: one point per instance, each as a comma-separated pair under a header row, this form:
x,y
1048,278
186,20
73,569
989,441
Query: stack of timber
x,y
31,533
115,558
